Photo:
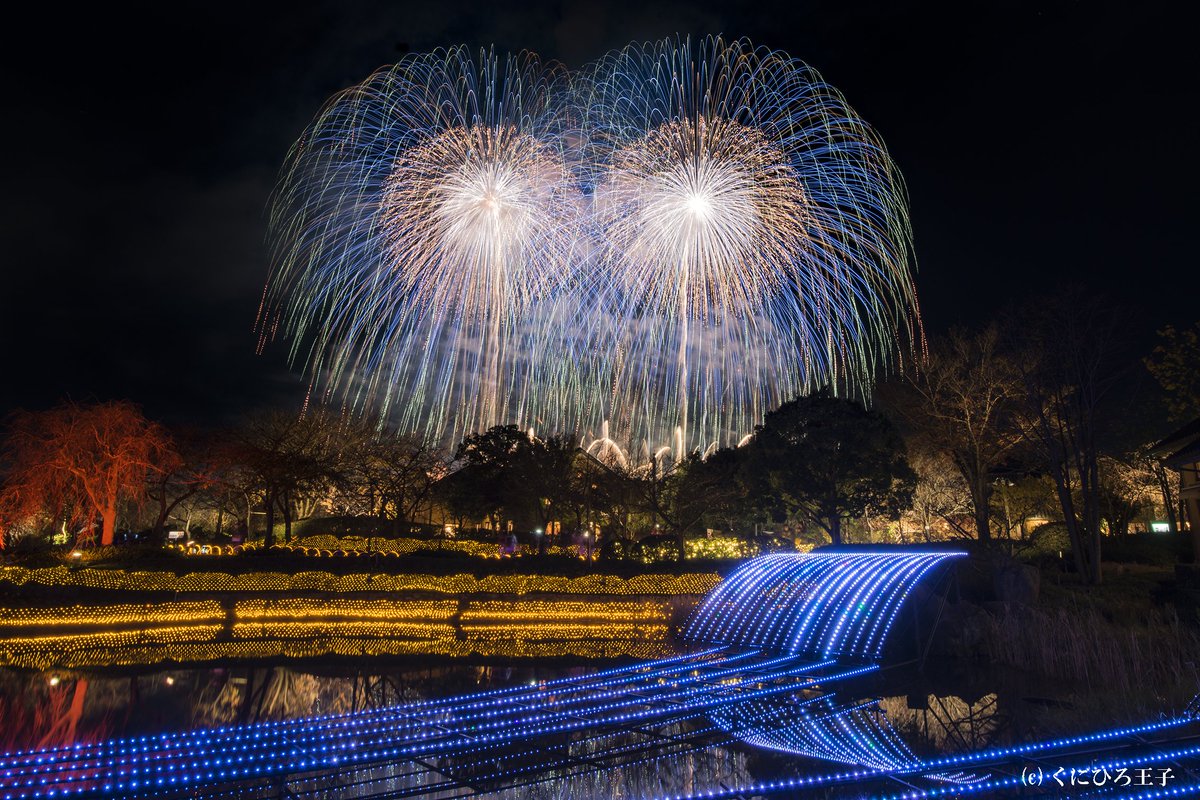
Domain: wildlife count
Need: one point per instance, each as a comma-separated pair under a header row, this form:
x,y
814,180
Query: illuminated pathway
x,y
781,636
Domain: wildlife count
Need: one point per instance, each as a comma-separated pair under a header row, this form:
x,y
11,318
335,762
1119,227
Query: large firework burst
x,y
755,230
424,226
676,240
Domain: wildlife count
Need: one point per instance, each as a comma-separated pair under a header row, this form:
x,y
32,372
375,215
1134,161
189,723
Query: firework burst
x,y
424,226
756,240
675,240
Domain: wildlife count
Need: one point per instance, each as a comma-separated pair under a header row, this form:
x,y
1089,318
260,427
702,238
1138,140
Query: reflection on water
x,y
79,637
824,727
43,709
947,723
941,712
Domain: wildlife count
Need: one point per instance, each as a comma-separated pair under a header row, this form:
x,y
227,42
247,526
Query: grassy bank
x,y
1128,649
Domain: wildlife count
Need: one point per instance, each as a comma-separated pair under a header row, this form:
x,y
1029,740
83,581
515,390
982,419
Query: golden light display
x,y
459,584
115,615
138,654
306,627
329,546
75,636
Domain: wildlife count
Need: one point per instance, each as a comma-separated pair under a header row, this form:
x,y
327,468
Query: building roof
x,y
1181,447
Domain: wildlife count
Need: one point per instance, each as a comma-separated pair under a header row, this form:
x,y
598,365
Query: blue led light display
x,y
820,727
822,604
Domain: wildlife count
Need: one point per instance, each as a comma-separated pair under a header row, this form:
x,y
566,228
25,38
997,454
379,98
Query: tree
x,y
617,496
940,494
827,459
391,477
1175,364
961,402
186,477
285,455
84,460
1130,484
542,477
531,478
466,494
1066,349
691,490
484,485
1018,497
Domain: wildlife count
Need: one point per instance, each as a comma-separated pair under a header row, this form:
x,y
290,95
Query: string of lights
x,y
1121,738
821,728
610,677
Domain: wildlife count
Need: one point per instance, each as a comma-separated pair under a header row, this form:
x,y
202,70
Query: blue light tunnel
x,y
819,604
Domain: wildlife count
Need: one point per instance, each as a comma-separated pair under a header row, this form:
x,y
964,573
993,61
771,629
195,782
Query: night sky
x,y
1041,142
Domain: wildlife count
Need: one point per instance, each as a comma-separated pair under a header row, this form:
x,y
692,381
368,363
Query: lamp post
x,y
537,537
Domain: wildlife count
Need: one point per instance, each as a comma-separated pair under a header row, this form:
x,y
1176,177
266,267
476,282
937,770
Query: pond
x,y
950,707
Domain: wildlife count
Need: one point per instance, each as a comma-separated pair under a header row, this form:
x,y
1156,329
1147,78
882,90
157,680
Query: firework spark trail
x,y
675,240
760,225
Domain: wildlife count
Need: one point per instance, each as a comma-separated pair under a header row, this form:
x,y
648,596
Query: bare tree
x,y
961,402
391,478
185,479
1130,484
286,455
1066,349
941,494
690,490
1017,498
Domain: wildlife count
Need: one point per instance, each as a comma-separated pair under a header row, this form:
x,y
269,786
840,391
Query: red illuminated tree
x,y
83,461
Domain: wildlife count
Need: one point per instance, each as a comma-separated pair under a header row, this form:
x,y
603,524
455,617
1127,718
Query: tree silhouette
x,y
285,455
1175,364
827,458
1068,357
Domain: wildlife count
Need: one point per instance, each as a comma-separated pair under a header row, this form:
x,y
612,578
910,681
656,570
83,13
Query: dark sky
x,y
1042,143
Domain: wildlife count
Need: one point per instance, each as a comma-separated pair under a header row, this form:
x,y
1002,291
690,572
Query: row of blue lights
x,y
823,729
253,752
545,766
994,755
267,736
48,754
486,754
1012,781
146,787
254,736
323,790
